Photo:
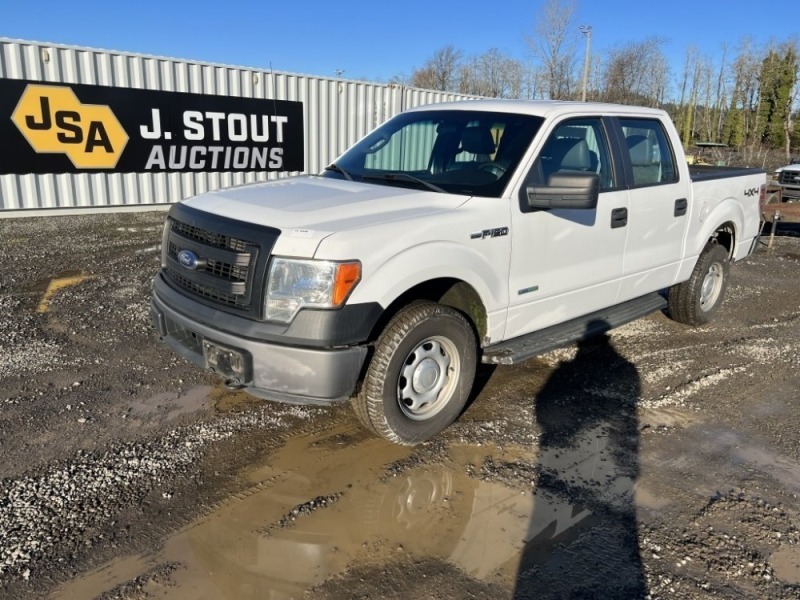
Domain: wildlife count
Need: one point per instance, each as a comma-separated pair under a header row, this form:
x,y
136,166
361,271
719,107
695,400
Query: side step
x,y
557,336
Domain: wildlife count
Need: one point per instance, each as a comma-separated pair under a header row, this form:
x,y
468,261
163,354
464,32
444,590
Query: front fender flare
x,y
439,260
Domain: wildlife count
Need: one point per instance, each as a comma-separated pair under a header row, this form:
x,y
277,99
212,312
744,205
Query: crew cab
x,y
471,231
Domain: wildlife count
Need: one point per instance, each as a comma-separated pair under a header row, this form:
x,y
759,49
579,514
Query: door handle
x,y
619,217
680,207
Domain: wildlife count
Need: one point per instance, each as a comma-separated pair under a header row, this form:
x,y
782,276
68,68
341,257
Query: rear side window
x,y
652,159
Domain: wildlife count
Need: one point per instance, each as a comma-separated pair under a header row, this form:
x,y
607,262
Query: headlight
x,y
295,284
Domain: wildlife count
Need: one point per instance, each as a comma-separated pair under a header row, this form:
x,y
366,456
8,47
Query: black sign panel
x,y
57,128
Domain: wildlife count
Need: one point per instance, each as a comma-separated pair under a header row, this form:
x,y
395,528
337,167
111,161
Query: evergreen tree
x,y
777,81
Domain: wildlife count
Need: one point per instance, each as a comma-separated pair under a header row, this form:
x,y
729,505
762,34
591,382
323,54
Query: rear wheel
x,y
695,301
420,375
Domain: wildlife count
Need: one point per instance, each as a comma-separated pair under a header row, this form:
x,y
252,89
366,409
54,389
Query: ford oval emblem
x,y
188,259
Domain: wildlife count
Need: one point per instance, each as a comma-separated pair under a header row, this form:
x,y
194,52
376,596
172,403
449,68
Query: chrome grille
x,y
790,177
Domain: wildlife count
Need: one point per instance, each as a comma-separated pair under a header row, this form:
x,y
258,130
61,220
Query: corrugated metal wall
x,y
336,114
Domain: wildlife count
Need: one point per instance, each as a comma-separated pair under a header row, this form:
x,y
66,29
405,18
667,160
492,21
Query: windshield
x,y
457,151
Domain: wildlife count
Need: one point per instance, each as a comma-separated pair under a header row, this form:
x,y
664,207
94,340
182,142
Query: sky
x,y
377,40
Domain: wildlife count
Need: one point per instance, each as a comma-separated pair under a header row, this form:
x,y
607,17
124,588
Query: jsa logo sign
x,y
78,128
54,121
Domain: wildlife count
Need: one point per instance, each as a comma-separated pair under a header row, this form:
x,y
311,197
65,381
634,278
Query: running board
x,y
557,336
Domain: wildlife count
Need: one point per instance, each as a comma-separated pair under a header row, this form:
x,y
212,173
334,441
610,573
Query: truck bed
x,y
707,172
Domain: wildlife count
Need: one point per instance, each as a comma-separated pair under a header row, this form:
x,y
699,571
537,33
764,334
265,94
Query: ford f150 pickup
x,y
480,230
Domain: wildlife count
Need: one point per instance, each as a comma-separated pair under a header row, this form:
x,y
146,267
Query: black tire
x,y
420,375
696,301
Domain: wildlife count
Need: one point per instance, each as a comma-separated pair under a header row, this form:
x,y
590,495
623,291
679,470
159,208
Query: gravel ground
x,y
659,462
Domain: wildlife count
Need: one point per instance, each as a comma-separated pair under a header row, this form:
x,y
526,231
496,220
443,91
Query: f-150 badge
x,y
489,233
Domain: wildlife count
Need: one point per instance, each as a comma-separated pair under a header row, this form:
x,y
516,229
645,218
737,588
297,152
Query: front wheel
x,y
695,301
420,375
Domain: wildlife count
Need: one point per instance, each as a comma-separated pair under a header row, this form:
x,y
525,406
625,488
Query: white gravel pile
x,y
22,349
679,396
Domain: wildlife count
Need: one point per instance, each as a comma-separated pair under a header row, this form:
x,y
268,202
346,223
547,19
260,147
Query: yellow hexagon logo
x,y
53,121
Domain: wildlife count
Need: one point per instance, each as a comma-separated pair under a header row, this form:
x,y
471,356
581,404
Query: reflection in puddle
x,y
274,542
237,552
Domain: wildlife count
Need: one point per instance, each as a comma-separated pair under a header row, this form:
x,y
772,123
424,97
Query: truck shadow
x,y
582,538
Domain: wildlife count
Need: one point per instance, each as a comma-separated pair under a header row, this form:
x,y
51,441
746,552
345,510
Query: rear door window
x,y
651,156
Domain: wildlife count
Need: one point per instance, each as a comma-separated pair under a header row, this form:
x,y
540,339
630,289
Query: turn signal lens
x,y
347,276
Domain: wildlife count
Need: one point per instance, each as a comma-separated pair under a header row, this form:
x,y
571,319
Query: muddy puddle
x,y
336,499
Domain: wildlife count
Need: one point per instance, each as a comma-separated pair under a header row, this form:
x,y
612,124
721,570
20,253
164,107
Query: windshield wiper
x,y
338,169
405,177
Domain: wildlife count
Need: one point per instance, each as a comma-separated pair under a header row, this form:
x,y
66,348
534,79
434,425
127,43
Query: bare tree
x,y
492,74
554,45
706,124
720,96
692,74
531,81
739,128
656,83
636,73
440,71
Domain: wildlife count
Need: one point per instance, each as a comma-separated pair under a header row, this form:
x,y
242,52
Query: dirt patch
x,y
226,401
660,461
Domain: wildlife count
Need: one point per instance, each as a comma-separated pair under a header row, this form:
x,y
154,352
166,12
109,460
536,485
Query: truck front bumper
x,y
277,372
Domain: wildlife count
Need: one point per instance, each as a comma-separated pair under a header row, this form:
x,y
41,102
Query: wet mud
x,y
656,462
317,507
520,518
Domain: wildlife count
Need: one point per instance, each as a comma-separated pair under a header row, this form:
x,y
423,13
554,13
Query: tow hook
x,y
233,384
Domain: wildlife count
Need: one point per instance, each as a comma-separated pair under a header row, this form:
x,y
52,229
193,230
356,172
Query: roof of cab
x,y
544,108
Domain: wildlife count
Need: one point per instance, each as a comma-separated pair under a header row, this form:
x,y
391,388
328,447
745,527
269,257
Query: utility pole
x,y
587,31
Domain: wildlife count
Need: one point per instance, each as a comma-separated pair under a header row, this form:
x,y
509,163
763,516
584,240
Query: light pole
x,y
587,31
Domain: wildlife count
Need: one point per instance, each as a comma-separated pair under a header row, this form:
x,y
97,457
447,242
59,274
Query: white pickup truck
x,y
788,179
481,230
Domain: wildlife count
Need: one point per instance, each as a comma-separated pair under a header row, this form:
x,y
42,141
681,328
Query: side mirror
x,y
566,189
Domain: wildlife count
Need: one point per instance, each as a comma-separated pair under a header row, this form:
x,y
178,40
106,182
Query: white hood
x,y
318,204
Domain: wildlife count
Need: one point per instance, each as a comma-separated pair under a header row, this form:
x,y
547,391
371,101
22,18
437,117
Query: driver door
x,y
566,263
